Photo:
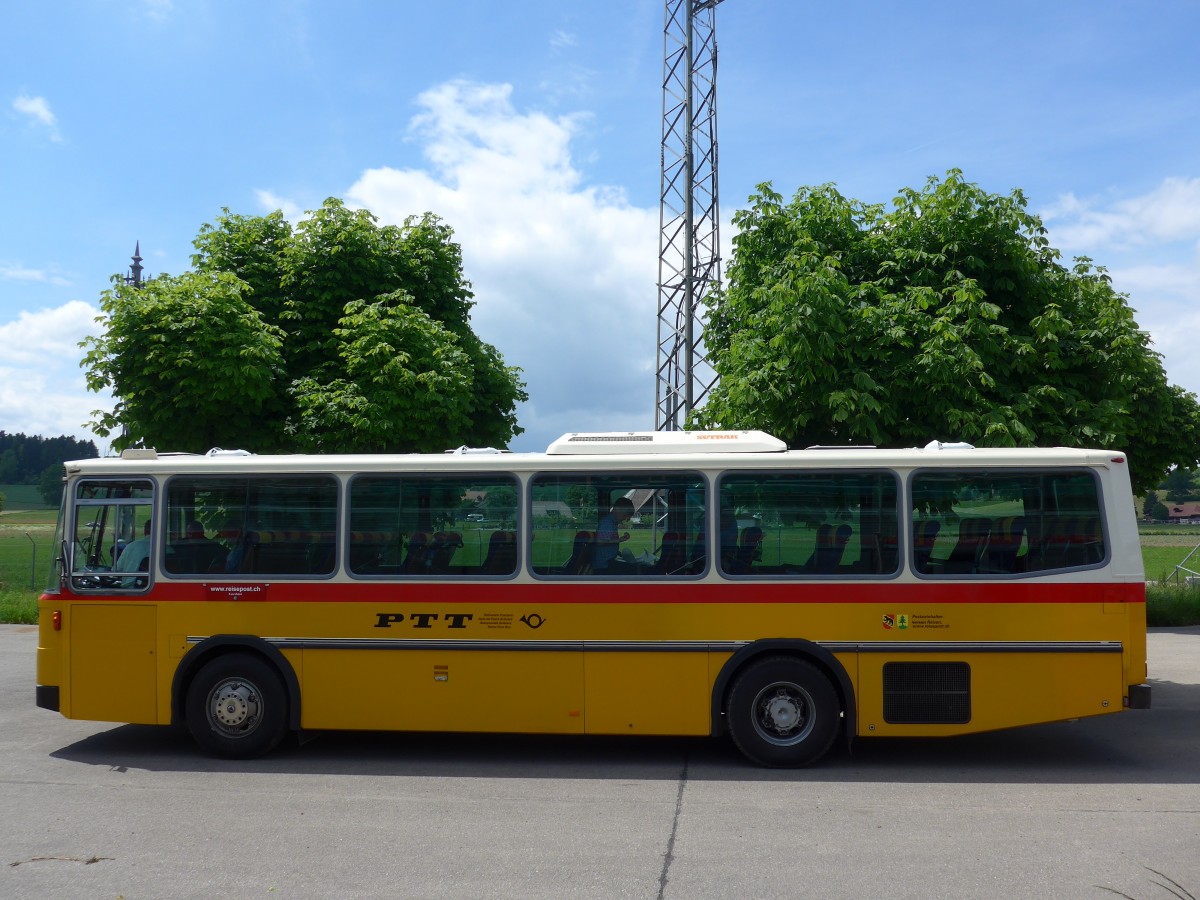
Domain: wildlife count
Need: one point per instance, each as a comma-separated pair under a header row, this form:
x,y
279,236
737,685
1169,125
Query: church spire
x,y
134,278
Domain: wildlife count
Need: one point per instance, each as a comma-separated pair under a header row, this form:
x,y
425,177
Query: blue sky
x,y
533,129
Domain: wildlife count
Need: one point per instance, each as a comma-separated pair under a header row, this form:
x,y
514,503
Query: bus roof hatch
x,y
636,442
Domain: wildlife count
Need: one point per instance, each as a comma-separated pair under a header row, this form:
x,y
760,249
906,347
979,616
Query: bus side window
x,y
973,534
1005,522
433,525
924,537
808,523
617,524
252,525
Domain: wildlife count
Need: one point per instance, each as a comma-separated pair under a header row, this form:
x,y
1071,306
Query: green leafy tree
x,y
501,505
946,315
582,501
9,467
1153,508
1180,484
50,484
23,457
338,335
397,365
191,363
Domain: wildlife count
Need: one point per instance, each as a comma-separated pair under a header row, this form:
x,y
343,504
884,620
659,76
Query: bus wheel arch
x,y
246,647
803,674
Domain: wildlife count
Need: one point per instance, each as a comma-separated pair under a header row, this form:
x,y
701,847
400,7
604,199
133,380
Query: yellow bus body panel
x,y
113,663
434,690
120,660
1006,689
648,693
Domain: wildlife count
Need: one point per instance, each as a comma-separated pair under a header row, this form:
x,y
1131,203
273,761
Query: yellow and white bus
x,y
669,583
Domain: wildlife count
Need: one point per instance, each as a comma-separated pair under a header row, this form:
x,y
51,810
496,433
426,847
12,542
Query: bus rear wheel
x,y
783,712
237,707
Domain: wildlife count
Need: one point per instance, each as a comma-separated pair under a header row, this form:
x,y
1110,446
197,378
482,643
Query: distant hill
x,y
22,496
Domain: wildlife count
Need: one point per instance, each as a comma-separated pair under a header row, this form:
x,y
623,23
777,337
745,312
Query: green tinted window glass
x,y
254,525
618,525
1005,522
818,524
433,526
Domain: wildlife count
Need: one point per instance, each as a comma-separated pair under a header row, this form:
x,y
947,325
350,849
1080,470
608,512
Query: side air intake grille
x,y
927,693
611,438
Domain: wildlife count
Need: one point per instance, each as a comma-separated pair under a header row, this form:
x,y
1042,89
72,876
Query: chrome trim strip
x,y
685,646
495,645
972,646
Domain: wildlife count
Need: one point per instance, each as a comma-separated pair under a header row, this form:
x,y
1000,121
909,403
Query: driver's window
x,y
112,538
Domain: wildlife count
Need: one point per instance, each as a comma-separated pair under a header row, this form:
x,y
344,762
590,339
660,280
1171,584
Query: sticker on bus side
x,y
236,591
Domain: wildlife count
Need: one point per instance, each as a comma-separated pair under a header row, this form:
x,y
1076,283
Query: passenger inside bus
x,y
607,543
196,553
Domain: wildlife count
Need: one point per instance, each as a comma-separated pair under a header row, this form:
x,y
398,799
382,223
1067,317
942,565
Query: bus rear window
x,y
1005,522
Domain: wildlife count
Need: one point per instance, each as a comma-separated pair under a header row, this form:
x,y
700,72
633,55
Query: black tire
x,y
237,707
783,712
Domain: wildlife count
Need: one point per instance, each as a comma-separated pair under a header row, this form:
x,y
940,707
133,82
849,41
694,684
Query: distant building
x,y
1184,513
554,508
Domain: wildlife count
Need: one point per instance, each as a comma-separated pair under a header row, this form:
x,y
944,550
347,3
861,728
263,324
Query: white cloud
x,y
1173,331
158,10
1169,213
42,387
1173,281
564,273
1151,247
563,40
35,107
38,110
16,272
270,202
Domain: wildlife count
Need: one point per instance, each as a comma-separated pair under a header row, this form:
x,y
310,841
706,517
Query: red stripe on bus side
x,y
625,592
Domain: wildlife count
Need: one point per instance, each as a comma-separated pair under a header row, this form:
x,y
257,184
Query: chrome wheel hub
x,y
783,714
234,707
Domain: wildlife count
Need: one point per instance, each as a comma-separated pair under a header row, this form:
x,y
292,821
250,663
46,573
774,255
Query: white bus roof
x,y
688,449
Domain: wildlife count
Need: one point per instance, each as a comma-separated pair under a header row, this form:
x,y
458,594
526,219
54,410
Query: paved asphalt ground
x,y
1096,808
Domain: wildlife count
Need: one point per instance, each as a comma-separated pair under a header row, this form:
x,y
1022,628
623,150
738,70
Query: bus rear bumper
x,y
47,696
1139,696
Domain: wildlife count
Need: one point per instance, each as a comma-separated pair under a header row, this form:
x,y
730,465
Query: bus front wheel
x,y
783,712
237,707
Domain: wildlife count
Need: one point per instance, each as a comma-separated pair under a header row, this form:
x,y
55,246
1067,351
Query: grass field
x,y
22,496
26,531
26,549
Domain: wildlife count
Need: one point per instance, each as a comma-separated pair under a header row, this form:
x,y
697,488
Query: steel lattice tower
x,y
689,262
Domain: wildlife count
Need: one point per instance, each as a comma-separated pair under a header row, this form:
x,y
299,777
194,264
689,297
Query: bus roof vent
x,y
948,445
139,453
464,450
217,451
615,443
